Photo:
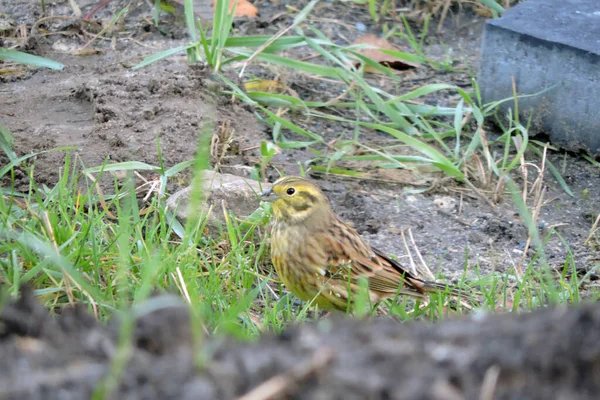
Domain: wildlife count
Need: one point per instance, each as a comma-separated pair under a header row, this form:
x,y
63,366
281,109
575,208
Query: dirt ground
x,y
549,354
107,111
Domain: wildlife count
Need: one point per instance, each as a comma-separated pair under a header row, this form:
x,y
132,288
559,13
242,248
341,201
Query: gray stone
x,y
554,45
220,191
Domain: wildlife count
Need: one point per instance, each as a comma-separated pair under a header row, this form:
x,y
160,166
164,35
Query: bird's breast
x,y
293,248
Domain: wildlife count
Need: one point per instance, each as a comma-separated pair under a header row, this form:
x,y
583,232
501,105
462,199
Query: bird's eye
x,y
291,191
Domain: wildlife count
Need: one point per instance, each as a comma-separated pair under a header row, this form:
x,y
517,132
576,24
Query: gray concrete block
x,y
543,44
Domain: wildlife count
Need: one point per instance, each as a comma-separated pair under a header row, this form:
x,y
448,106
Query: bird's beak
x,y
268,195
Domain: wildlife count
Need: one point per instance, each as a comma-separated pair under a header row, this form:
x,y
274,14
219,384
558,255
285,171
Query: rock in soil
x,y
548,354
219,192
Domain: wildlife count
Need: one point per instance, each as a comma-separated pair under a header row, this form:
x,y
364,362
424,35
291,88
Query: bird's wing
x,y
416,284
393,269
346,253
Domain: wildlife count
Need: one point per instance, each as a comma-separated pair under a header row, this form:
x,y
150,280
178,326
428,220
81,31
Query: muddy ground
x,y
549,354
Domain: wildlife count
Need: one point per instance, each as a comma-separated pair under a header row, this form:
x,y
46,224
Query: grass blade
x,y
29,59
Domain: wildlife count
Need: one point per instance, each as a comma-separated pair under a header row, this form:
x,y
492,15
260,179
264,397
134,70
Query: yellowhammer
x,y
319,257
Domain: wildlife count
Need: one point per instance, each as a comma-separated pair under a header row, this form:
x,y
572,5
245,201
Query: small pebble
x,y
360,26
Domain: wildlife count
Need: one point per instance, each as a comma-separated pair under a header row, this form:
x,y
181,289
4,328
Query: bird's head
x,y
295,199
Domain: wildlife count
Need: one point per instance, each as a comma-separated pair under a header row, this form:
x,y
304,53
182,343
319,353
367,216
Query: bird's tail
x,y
435,287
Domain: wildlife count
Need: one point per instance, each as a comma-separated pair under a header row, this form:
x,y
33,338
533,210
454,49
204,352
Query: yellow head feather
x,y
295,199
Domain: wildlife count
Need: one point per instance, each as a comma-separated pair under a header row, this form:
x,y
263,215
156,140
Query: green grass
x,y
20,57
72,243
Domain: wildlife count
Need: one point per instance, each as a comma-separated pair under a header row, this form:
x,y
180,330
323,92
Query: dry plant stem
x,y
180,283
66,277
101,5
379,153
481,195
536,211
466,118
283,383
220,142
412,261
499,189
183,287
443,16
265,45
518,144
593,230
488,155
104,30
101,197
534,186
42,20
341,96
332,21
427,272
542,168
480,168
538,200
516,267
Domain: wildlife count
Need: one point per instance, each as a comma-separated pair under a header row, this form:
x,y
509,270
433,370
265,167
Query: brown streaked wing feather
x,y
392,268
420,285
344,246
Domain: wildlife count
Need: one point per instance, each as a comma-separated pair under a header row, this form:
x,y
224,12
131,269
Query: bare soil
x,y
549,354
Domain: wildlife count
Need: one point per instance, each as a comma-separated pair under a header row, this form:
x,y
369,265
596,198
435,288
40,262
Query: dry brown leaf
x,y
244,8
381,57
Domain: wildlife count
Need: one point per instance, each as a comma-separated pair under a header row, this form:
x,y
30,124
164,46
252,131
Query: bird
x,y
321,259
